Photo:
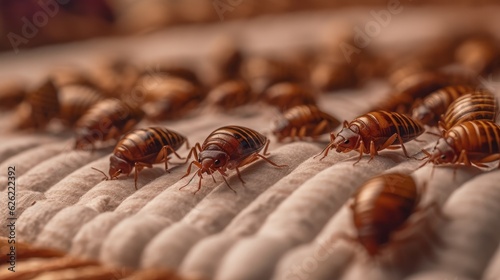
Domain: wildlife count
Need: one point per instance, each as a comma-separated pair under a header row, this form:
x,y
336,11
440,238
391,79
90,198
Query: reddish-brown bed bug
x,y
303,121
381,209
480,105
381,206
39,107
108,119
169,97
227,148
373,132
12,93
330,76
428,110
261,73
142,148
229,95
75,100
287,95
470,142
480,54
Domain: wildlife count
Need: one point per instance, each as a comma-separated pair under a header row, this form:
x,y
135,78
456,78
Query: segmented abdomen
x,y
476,136
383,124
435,104
477,106
144,144
381,206
236,141
76,100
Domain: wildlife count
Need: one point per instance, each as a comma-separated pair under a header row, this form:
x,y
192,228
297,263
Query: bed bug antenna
x,y
105,176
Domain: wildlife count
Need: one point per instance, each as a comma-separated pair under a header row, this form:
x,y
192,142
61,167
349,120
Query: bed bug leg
x,y
227,184
270,162
239,175
361,151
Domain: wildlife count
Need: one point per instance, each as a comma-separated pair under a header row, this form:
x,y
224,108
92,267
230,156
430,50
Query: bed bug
x,y
39,107
106,120
287,95
142,148
480,105
413,87
470,142
227,148
303,121
381,206
229,95
75,101
373,132
480,54
328,76
261,73
428,110
12,93
169,97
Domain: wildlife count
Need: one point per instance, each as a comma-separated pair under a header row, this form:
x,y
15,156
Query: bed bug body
x,y
373,132
481,105
75,101
227,148
434,105
142,148
39,106
303,121
106,120
287,95
381,206
169,97
470,142
230,94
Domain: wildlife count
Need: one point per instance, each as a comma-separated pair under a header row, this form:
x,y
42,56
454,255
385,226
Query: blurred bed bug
x,y
411,88
142,148
12,93
373,132
169,97
227,148
381,207
480,105
39,107
114,77
226,58
229,95
75,101
428,110
470,142
381,210
261,73
303,121
287,95
480,54
331,76
108,119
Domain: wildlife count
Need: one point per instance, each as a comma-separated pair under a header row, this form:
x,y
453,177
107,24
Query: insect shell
x,y
434,105
169,97
230,94
287,95
39,107
75,101
411,88
380,207
470,142
227,148
142,148
373,132
108,119
303,121
11,94
481,105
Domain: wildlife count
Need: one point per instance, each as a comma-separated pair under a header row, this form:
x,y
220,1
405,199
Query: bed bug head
x,y
118,165
347,139
212,160
443,152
